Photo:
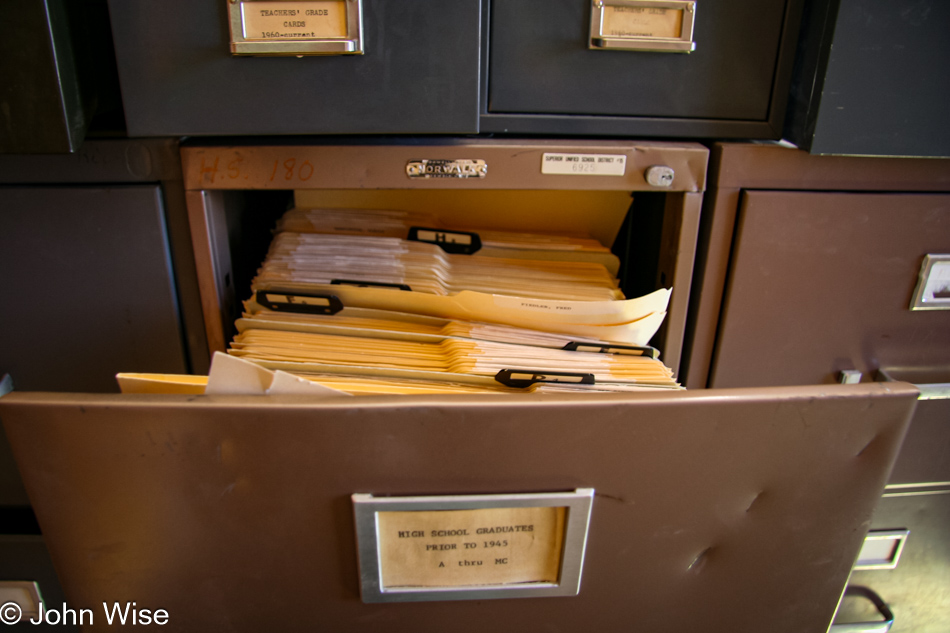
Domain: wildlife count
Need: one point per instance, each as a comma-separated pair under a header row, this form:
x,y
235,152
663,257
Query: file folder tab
x,y
454,242
629,350
521,378
296,302
368,284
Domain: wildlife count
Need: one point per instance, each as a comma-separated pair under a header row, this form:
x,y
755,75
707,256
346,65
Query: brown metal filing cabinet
x,y
807,272
724,510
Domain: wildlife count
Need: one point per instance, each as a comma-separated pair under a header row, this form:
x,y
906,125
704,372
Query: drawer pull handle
x,y
866,627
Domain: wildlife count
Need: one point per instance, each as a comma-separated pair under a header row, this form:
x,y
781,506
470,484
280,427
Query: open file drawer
x,y
237,510
235,194
713,510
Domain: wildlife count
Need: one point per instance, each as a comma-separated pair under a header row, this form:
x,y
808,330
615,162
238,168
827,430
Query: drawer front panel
x,y
822,282
232,502
925,454
540,63
90,287
419,74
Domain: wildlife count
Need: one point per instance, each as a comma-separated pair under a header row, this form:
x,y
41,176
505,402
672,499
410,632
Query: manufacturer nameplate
x,y
444,168
471,547
326,27
584,164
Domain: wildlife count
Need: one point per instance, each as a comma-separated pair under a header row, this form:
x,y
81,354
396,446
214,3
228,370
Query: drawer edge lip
x,y
25,400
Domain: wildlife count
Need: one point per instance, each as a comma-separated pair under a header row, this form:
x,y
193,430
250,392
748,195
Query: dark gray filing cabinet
x,y
419,73
542,78
871,79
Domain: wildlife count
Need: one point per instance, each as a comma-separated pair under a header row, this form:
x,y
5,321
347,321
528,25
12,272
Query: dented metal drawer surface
x,y
239,507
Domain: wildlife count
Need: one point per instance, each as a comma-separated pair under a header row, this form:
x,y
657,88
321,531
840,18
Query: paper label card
x,y
294,20
455,548
634,21
584,164
471,547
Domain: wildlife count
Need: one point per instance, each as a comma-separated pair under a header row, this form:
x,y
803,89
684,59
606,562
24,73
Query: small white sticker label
x,y
584,164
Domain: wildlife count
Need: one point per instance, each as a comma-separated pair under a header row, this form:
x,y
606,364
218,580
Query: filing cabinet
x,y
807,271
213,506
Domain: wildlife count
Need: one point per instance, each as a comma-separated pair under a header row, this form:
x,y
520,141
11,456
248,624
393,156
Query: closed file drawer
x,y
808,266
550,78
179,78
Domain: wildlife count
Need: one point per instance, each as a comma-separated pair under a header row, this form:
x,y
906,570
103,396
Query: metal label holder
x,y
350,43
366,507
602,39
933,286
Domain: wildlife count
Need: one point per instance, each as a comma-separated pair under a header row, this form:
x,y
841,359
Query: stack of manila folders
x,y
389,302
